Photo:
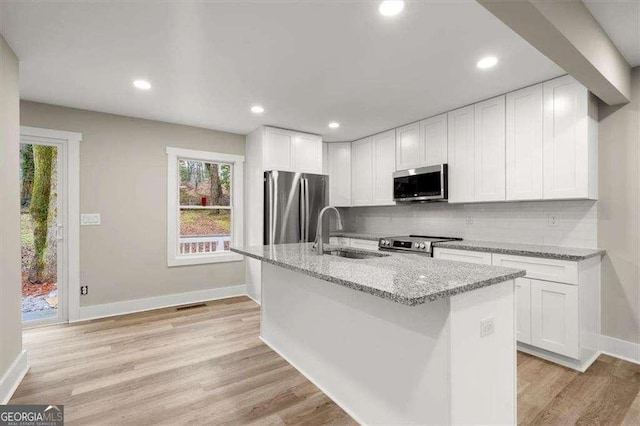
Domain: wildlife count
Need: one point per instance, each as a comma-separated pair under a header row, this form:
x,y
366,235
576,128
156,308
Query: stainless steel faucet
x,y
318,245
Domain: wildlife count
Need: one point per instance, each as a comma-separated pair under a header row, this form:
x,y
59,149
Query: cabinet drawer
x,y
339,241
463,256
542,269
364,244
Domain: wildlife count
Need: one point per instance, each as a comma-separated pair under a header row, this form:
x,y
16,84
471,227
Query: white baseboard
x,y
253,298
618,348
166,301
328,394
12,378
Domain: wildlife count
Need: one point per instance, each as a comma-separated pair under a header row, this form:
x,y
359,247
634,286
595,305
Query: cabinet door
x,y
339,167
409,149
433,132
524,144
461,155
277,150
362,172
523,310
384,164
566,145
489,139
307,153
554,317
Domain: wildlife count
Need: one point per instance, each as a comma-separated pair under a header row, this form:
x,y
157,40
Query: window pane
x,y
204,184
204,231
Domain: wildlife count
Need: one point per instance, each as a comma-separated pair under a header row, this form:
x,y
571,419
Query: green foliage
x,y
27,168
43,161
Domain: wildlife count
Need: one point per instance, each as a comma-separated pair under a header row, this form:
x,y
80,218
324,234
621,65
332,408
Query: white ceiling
x,y
620,19
306,62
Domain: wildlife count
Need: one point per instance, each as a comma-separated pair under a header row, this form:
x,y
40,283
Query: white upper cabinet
x,y
409,148
362,172
307,153
461,153
384,164
278,148
339,169
570,141
433,134
292,151
489,141
524,144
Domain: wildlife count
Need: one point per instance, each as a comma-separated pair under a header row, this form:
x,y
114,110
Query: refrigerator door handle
x,y
308,212
273,200
302,211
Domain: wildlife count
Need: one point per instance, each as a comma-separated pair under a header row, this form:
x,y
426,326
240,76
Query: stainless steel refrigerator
x,y
292,203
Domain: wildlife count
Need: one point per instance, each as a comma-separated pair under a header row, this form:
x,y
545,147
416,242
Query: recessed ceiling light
x,y
142,84
391,7
487,62
257,109
334,125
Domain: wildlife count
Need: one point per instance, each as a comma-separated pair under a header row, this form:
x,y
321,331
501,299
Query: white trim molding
x,y
173,206
13,377
622,349
166,301
71,142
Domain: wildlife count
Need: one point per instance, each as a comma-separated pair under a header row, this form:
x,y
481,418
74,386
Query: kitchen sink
x,y
355,254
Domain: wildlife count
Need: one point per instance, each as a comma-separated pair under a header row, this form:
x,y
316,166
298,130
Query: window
x,y
204,208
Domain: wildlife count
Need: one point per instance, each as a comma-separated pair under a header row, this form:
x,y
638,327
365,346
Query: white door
x,y
278,149
489,139
554,317
384,164
307,153
433,132
43,230
339,159
409,149
523,310
566,150
362,172
461,155
524,144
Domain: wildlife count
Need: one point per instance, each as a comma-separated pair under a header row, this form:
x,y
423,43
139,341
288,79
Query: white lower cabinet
x,y
554,317
523,310
557,304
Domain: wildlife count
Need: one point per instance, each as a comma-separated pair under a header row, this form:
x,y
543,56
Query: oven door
x,y
421,184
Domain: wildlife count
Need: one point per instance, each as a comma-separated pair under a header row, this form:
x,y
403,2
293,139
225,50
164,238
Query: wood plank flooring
x,y
207,365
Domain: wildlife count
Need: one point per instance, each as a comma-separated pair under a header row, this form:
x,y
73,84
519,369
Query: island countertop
x,y
410,279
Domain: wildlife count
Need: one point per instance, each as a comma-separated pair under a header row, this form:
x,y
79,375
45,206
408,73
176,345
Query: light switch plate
x,y
90,219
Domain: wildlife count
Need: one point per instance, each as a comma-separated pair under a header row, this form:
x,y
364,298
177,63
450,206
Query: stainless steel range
x,y
412,243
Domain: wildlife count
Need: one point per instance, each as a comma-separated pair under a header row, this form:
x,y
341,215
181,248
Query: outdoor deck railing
x,y
204,244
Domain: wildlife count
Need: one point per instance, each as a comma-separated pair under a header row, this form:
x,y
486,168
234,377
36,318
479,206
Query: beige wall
x,y
618,233
10,316
123,176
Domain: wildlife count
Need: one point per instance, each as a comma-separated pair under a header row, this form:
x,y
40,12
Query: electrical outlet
x,y
87,219
84,290
553,221
469,220
486,327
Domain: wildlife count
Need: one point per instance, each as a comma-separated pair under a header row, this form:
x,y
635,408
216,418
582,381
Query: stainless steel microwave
x,y
421,185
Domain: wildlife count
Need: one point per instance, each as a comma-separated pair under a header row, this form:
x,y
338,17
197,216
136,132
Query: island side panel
x,y
381,361
483,367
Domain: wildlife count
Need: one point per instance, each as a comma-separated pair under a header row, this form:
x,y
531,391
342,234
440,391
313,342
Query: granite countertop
x,y
531,250
357,235
410,279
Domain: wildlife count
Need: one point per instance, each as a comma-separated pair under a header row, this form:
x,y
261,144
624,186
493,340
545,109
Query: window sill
x,y
204,260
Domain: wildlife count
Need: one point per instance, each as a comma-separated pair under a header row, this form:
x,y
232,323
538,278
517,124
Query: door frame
x,y
71,229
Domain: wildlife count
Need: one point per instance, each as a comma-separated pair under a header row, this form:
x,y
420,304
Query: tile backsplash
x,y
562,223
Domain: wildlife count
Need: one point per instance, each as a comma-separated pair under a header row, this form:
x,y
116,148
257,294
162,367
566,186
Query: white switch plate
x,y
469,220
486,327
553,221
90,219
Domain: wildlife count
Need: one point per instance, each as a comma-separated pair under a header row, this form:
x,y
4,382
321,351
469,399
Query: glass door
x,y
41,229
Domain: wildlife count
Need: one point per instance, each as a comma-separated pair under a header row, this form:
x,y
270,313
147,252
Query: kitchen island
x,y
394,338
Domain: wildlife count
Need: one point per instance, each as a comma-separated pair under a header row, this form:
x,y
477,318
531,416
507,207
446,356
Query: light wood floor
x,y
207,366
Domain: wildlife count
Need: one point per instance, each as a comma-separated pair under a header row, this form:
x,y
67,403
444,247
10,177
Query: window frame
x,y
173,206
